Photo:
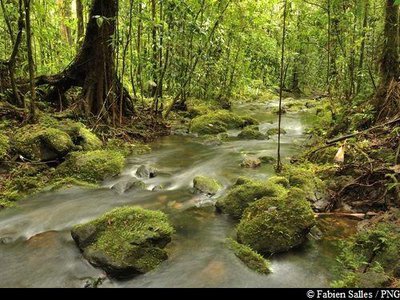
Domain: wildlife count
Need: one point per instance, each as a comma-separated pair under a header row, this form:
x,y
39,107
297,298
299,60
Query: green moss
x,y
249,257
276,224
304,177
283,181
275,131
241,196
40,143
126,148
249,121
207,185
250,133
125,241
4,146
92,166
216,122
81,136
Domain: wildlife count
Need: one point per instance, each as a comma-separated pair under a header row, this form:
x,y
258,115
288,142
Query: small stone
x,y
251,163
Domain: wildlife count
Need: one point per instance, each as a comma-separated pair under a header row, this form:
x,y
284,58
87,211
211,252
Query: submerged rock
x,y
251,163
250,258
206,185
36,142
241,196
252,133
276,224
92,166
275,131
126,241
267,159
146,172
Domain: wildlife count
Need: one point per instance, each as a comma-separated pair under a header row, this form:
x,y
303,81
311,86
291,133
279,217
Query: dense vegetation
x,y
85,84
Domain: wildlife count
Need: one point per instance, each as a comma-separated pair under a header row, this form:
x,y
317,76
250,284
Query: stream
x,y
36,248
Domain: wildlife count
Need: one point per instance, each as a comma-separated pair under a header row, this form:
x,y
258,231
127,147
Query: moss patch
x,y
81,136
251,133
126,148
40,143
276,224
206,185
126,241
4,146
92,166
241,196
216,122
249,257
275,131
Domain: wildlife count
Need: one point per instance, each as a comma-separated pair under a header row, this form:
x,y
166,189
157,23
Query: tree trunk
x,y
65,9
362,50
387,98
79,16
94,68
32,109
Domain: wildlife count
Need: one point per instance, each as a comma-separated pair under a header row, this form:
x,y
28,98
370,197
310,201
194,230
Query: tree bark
x,y
386,101
32,107
65,9
79,16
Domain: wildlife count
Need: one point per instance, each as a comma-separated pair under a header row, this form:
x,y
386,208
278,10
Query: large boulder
x,y
216,122
276,224
92,166
126,241
4,146
206,185
242,195
40,143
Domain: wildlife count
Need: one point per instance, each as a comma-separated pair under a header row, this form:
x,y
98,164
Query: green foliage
x,y
373,250
4,146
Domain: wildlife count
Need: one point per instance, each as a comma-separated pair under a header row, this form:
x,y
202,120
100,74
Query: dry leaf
x,y
396,169
339,158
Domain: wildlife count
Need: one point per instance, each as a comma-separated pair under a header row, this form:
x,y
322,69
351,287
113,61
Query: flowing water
x,y
36,249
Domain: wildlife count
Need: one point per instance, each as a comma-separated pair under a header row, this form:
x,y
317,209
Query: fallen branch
x,y
345,137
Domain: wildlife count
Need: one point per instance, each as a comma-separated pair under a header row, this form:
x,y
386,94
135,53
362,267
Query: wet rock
x,y
126,241
252,133
267,159
251,163
128,184
94,283
278,230
147,172
158,188
206,185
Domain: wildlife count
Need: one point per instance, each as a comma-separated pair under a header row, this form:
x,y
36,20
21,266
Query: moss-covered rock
x,y
249,257
251,163
4,146
275,131
276,224
36,142
206,185
92,166
279,180
216,122
249,121
251,133
127,148
126,241
241,196
81,136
